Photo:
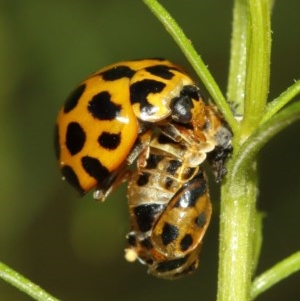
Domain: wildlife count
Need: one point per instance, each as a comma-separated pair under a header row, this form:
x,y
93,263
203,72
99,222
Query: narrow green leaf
x,y
263,134
194,58
275,274
278,103
23,284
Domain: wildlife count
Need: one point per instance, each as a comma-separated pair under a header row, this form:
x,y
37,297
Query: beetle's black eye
x,y
181,109
182,105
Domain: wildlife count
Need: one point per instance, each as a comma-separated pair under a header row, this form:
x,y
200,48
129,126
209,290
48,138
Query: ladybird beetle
x,y
168,197
148,111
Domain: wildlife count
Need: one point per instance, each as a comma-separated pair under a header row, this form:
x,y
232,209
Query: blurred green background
x,y
74,247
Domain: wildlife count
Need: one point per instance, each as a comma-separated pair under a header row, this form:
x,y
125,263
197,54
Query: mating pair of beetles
x,y
150,113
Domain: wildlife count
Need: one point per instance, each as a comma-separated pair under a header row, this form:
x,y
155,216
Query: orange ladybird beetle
x,y
148,111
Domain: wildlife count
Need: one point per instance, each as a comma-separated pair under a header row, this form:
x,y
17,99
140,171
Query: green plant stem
x,y
237,224
193,57
238,240
275,274
23,284
239,243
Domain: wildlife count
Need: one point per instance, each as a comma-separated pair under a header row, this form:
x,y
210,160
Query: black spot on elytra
x,y
103,108
139,92
169,233
94,168
143,179
186,242
56,142
70,176
75,138
145,215
201,220
117,72
170,265
162,71
109,141
73,98
191,192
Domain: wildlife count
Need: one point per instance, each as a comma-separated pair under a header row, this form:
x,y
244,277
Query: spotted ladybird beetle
x,y
148,111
